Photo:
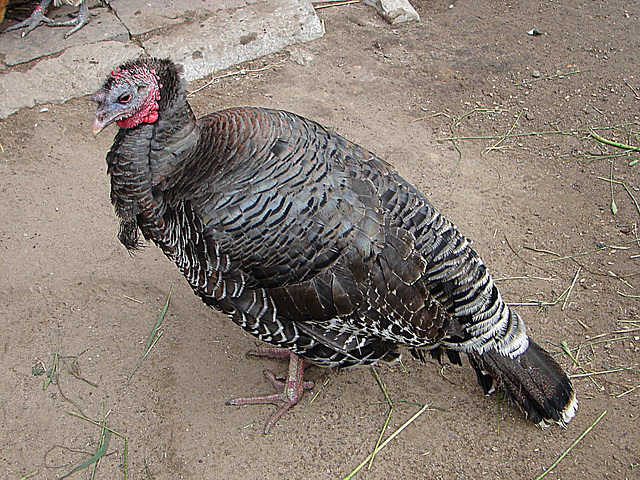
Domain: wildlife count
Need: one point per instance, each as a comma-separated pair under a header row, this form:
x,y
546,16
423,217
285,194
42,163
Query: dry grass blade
x,y
319,390
595,250
557,75
386,422
517,254
320,5
540,250
614,207
155,334
566,298
629,330
455,122
497,146
618,277
554,464
567,350
526,277
243,71
391,437
635,92
132,299
563,297
628,391
604,372
614,144
627,295
535,134
104,427
590,343
590,157
624,185
101,450
51,373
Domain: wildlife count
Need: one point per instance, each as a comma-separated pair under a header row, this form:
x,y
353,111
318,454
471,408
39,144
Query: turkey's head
x,y
129,97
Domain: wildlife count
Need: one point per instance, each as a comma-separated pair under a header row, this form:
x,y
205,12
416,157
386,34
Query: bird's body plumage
x,y
314,244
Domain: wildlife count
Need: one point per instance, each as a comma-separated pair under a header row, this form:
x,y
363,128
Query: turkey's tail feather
x,y
534,380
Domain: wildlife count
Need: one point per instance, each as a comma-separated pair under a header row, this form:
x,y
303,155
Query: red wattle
x,y
149,114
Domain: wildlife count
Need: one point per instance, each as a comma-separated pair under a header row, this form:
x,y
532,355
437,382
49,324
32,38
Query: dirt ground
x,y
538,207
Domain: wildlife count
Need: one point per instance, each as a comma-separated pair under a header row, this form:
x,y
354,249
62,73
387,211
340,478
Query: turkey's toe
x,y
290,390
282,400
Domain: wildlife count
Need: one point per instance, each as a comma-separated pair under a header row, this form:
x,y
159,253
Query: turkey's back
x,y
323,248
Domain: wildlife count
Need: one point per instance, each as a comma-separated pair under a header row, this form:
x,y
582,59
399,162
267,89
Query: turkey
x,y
38,17
309,242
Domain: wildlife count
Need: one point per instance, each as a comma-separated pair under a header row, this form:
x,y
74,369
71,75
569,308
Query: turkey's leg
x,y
37,17
81,19
289,391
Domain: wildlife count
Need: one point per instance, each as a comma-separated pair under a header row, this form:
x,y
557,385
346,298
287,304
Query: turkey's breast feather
x,y
320,225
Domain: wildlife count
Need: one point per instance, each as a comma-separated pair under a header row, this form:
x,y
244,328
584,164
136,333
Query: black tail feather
x,y
484,379
534,380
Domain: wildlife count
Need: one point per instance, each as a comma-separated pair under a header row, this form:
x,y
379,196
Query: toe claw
x,y
290,390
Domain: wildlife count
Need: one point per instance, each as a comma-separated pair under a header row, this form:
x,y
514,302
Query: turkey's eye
x,y
124,98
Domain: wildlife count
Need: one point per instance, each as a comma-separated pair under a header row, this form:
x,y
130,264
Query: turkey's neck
x,y
175,135
140,159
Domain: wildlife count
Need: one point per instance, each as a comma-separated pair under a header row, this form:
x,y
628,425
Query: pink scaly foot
x,y
289,392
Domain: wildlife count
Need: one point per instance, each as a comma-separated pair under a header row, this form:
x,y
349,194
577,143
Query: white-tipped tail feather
x,y
534,380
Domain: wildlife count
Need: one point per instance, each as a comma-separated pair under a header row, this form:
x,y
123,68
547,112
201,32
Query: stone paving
x,y
204,35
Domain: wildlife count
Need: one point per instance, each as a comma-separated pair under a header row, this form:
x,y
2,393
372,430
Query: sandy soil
x,y
470,70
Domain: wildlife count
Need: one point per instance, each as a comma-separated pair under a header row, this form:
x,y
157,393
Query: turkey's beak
x,y
104,118
106,113
97,126
99,122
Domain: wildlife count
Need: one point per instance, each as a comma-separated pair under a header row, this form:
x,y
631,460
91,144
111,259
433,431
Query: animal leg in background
x,y
37,18
81,19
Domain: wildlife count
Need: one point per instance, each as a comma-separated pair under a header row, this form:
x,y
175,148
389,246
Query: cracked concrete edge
x,y
79,70
259,32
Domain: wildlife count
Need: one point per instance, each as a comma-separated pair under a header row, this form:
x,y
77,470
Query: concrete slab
x,y
205,36
143,17
234,36
47,41
76,72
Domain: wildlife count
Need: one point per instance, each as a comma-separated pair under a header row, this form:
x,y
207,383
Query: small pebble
x,y
536,74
